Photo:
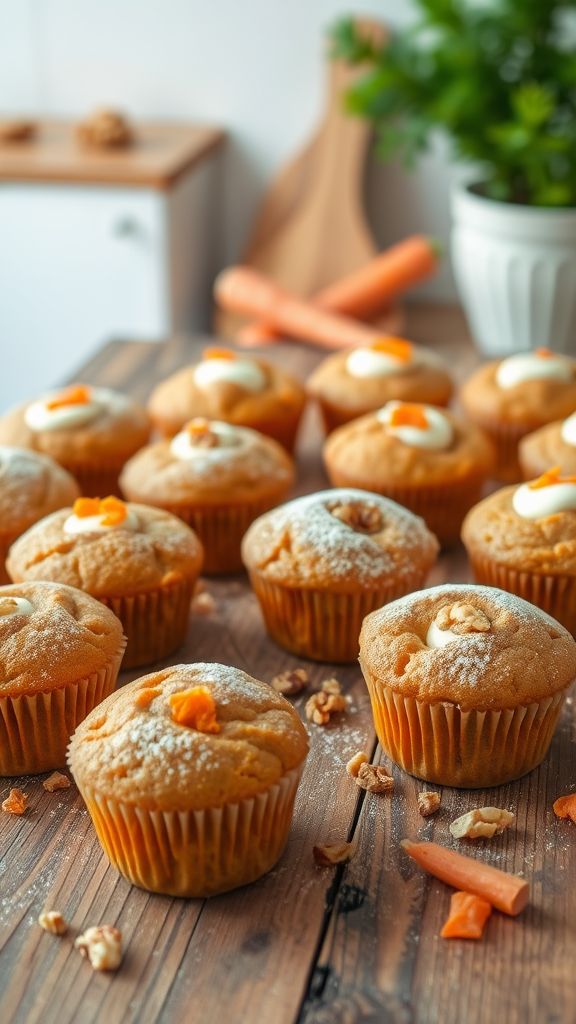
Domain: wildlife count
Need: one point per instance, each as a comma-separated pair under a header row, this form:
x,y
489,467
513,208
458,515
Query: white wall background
x,y
254,66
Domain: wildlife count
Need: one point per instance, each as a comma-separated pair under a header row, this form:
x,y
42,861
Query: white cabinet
x,y
85,261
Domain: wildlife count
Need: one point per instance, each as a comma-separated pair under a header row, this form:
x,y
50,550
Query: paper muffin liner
x,y
155,622
221,529
442,506
35,728
443,744
321,624
195,853
5,542
554,594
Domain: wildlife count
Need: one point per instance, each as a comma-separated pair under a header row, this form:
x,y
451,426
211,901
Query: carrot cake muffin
x,y
60,651
216,477
511,397
31,486
554,444
523,539
350,384
233,388
320,563
190,775
142,562
466,683
420,456
89,431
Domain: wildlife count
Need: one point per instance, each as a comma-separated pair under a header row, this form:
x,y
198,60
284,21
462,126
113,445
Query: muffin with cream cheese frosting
x,y
523,539
190,776
233,388
320,563
90,431
142,562
215,476
466,683
31,486
350,384
60,651
421,456
509,398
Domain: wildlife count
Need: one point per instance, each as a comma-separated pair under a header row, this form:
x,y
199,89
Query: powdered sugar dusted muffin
x,y
523,539
142,562
511,397
320,563
216,477
90,431
420,456
190,775
60,651
229,386
350,384
31,486
466,683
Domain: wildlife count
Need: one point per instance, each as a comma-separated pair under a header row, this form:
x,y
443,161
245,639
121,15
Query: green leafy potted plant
x,y
498,77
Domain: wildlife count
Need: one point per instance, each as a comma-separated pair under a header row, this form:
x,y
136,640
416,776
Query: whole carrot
x,y
368,290
243,290
507,893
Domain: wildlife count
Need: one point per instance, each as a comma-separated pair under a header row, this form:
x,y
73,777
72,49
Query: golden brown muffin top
x,y
342,539
186,394
545,544
422,377
149,549
78,422
131,748
31,486
208,461
547,447
500,652
531,402
54,636
376,455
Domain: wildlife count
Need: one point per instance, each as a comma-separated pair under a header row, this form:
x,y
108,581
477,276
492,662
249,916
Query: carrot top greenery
x,y
498,77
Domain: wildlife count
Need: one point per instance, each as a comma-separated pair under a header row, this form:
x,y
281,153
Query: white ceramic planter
x,y
515,267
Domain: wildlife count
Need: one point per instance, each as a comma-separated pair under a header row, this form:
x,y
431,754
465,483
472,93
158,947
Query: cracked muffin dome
x,y
141,561
31,486
466,682
320,563
190,775
60,651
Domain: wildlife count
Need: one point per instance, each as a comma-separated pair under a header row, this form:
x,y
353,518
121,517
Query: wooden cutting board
x,y
311,228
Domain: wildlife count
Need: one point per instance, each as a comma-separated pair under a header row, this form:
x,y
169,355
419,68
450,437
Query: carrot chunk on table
x,y
467,917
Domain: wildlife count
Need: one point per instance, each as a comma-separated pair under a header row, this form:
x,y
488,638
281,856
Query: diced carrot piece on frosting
x,y
551,477
84,507
214,352
409,414
197,426
565,807
195,708
398,348
75,395
544,353
467,917
113,511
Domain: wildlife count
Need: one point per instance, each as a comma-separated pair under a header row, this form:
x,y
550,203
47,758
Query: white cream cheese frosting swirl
x,y
539,365
547,496
424,426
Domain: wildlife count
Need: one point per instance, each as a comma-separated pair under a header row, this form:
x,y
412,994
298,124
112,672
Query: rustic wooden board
x,y
304,944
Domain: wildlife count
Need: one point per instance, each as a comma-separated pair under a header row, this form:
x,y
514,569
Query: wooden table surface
x,y
330,946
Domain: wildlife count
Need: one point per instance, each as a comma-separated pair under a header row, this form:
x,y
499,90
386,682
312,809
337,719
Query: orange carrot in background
x,y
467,917
243,290
368,290
565,806
507,893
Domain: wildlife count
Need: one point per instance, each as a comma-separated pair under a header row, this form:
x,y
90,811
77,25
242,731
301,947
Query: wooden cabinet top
x,y
161,152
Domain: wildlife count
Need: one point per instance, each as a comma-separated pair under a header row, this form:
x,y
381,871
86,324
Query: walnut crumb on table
x,y
56,781
333,853
481,823
102,946
291,682
203,603
16,802
327,701
374,779
53,921
428,802
355,763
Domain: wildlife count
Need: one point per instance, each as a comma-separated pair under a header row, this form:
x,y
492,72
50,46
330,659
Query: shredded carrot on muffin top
x,y
544,353
77,394
409,414
195,708
213,352
112,510
399,348
551,477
